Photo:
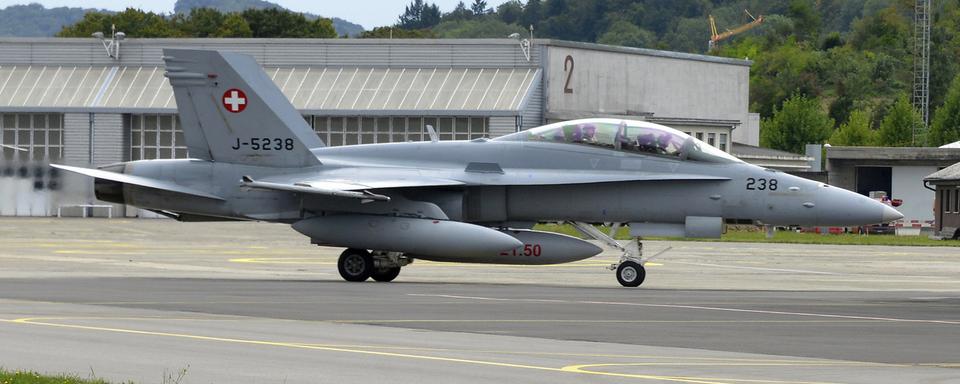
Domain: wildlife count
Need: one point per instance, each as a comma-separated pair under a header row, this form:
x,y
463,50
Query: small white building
x,y
898,171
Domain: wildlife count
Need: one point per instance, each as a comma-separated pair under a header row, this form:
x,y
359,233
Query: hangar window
x,y
155,136
337,130
40,134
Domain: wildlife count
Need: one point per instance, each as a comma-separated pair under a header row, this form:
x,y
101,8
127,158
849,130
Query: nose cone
x,y
890,214
840,207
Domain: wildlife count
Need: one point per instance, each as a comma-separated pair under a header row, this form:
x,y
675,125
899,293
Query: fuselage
x,y
735,190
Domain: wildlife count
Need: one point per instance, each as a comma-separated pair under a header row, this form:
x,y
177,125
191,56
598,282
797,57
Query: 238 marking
x,y
761,184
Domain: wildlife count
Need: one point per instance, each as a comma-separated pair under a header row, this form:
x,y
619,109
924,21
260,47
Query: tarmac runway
x,y
247,302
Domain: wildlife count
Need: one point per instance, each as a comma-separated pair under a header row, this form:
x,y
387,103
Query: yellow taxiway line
x,y
574,369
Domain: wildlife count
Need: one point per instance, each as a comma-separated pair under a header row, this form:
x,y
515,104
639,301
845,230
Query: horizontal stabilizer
x,y
137,180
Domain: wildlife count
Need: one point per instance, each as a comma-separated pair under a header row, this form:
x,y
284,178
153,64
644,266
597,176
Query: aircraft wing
x,y
357,187
358,182
136,180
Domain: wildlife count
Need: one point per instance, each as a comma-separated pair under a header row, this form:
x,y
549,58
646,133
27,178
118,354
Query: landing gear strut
x,y
630,270
359,265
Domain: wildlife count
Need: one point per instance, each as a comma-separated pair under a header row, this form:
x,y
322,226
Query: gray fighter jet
x,y
253,157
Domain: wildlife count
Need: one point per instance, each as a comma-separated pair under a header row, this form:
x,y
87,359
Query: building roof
x,y
145,51
644,52
893,153
949,173
955,144
332,90
746,151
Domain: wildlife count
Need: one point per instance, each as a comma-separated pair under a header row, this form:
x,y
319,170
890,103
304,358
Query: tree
x,y
276,22
397,33
204,22
945,127
321,27
780,72
896,129
460,12
419,15
486,27
234,26
625,33
511,12
807,20
479,7
801,121
133,22
855,132
532,12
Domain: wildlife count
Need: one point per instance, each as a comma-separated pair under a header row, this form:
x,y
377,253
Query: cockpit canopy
x,y
626,135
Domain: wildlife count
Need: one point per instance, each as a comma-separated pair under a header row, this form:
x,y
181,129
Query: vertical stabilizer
x,y
232,112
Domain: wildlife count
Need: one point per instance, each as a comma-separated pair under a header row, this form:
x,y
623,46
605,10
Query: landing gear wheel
x,y
385,275
630,274
355,264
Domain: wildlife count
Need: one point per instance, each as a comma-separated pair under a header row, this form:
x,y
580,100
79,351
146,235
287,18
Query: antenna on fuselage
x,y
433,134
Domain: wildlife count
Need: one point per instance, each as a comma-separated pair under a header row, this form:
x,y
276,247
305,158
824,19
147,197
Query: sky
x,y
368,13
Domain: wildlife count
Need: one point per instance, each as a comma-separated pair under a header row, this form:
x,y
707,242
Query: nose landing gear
x,y
630,269
630,273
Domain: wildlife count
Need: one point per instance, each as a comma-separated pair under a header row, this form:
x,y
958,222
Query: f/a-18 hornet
x,y
253,157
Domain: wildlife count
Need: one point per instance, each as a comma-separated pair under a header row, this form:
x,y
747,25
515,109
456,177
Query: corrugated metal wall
x,y
110,141
502,125
76,138
532,112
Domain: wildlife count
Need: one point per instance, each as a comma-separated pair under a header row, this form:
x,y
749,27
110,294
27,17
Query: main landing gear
x,y
359,265
630,270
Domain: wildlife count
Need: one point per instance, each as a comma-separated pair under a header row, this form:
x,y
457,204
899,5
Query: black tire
x,y
355,265
631,274
385,275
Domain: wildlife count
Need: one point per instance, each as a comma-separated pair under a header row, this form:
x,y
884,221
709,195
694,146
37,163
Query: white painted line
x,y
757,268
698,307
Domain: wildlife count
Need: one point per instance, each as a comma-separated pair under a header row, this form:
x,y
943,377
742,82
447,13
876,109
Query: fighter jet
x,y
253,157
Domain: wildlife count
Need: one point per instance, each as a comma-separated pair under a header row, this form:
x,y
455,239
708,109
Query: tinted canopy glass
x,y
625,135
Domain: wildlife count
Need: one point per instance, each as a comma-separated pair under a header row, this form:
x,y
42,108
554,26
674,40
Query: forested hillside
x,y
204,22
837,71
343,27
35,20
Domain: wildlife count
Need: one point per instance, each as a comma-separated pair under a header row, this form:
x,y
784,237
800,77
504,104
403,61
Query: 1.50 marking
x,y
528,250
265,144
761,184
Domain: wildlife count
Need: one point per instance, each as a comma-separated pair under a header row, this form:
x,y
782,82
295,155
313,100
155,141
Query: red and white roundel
x,y
234,100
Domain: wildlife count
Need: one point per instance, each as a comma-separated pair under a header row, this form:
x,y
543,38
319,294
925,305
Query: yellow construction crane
x,y
715,37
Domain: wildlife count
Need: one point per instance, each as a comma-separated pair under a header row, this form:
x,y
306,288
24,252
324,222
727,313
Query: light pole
x,y
113,48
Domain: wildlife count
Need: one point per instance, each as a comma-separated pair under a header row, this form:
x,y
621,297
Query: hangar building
x,y
63,100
